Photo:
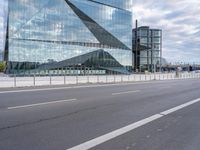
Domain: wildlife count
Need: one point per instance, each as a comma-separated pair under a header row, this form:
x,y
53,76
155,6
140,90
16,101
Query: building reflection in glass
x,y
54,31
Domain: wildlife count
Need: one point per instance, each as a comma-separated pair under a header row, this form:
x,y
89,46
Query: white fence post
x,y
88,79
50,82
76,79
15,81
64,80
97,78
34,80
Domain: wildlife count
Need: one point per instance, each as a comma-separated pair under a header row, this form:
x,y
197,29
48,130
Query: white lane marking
x,y
99,140
179,107
39,104
126,92
88,86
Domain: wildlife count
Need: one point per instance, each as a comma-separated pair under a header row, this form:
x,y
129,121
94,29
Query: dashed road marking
x,y
126,92
40,104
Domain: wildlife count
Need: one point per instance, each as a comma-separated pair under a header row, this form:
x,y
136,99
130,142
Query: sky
x,y
178,19
180,23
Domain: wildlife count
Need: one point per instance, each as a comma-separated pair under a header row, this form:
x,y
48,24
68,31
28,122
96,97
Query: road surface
x,y
154,115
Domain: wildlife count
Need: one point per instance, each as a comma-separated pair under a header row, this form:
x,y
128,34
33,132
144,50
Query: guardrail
x,y
68,80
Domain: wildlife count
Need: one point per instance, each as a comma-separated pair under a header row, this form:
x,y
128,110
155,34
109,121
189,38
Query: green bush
x,y
2,66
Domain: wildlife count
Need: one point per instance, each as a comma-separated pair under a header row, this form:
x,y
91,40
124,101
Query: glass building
x,y
3,14
147,49
63,35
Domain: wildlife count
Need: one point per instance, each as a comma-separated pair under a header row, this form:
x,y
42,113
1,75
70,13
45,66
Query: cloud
x,y
179,21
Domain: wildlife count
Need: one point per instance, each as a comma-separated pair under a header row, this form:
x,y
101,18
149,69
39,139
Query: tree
x,y
2,66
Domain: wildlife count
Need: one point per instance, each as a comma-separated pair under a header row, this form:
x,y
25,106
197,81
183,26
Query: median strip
x,y
40,104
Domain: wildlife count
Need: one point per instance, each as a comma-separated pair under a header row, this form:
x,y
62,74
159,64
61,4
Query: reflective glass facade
x,y
149,48
57,34
3,12
123,4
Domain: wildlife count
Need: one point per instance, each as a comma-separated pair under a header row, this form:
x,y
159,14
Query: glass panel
x,y
143,40
156,33
156,53
143,54
143,32
3,25
116,21
143,60
1,55
156,60
156,40
156,46
123,4
55,22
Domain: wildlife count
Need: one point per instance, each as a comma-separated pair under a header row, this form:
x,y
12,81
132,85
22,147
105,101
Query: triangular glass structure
x,y
112,19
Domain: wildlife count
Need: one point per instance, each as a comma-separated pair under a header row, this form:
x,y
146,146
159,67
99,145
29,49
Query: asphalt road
x,y
59,118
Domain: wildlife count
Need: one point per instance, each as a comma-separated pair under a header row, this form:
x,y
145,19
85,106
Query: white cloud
x,y
179,21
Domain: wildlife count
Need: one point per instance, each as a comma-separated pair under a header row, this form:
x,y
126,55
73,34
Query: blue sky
x,y
179,20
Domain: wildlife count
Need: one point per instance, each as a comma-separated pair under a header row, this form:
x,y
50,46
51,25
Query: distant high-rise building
x,y
45,35
147,48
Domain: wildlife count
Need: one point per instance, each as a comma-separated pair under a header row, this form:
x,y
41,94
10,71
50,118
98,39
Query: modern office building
x,y
63,35
147,49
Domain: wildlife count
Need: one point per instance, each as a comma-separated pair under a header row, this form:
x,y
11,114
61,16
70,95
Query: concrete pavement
x,y
64,117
